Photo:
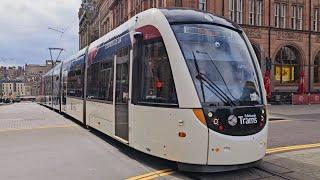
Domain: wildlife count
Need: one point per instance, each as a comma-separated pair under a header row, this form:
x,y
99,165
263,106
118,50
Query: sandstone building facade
x,y
283,32
12,89
33,74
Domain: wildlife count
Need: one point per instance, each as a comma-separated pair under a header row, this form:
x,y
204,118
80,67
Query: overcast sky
x,y
24,34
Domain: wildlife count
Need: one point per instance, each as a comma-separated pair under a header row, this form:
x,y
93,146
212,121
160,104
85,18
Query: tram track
x,y
273,173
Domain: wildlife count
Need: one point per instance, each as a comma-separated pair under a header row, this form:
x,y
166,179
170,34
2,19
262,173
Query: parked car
x,y
8,100
17,99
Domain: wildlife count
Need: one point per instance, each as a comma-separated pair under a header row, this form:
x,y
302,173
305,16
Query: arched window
x,y
287,67
316,70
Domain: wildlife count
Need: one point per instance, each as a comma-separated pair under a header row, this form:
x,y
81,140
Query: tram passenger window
x,y
122,75
75,78
157,85
100,80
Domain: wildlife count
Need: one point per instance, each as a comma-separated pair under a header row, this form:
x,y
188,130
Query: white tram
x,y
179,84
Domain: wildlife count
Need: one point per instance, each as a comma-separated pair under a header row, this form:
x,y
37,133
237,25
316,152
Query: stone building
x,y
7,89
12,89
20,89
11,72
283,32
33,73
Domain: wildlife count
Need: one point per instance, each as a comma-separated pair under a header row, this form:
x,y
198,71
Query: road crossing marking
x,y
291,148
34,128
152,175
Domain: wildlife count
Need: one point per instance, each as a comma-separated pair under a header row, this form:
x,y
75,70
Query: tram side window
x,y
100,80
157,85
75,78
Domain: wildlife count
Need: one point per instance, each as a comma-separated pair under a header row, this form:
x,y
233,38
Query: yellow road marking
x,y
158,175
154,174
166,172
291,148
41,127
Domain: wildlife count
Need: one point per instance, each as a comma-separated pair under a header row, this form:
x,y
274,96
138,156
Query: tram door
x,y
122,94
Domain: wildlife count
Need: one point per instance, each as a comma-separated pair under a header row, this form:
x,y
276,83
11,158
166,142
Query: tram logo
x,y
248,119
232,120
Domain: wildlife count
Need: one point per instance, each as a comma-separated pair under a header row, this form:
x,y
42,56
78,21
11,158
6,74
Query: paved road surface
x,y
37,143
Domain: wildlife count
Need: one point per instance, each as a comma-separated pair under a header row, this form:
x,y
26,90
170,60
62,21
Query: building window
x,y
277,15
280,15
315,19
251,12
259,8
231,9
152,3
316,69
203,5
235,10
255,12
239,11
300,13
178,3
296,19
287,68
283,12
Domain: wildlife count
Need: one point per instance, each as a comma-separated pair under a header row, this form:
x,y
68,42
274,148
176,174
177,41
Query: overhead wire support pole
x,y
59,54
50,54
55,49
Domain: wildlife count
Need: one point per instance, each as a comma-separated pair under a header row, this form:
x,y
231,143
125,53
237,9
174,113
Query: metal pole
x,y
309,67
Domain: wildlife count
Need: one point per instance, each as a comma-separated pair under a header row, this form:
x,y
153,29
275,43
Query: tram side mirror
x,y
138,36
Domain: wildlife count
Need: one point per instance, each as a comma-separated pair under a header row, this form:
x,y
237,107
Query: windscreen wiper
x,y
215,66
198,71
210,85
214,88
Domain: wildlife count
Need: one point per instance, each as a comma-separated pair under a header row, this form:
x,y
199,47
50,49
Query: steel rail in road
x,y
165,172
292,148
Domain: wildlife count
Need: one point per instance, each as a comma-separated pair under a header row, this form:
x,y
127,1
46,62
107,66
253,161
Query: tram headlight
x,y
210,114
215,121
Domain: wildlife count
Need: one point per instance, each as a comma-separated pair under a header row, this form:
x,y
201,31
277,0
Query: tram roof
x,y
184,15
76,55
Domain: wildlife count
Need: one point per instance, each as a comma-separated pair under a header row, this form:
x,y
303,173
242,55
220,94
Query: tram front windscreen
x,y
220,64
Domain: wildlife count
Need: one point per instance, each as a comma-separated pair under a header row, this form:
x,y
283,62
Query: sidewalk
x,y
303,164
292,111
